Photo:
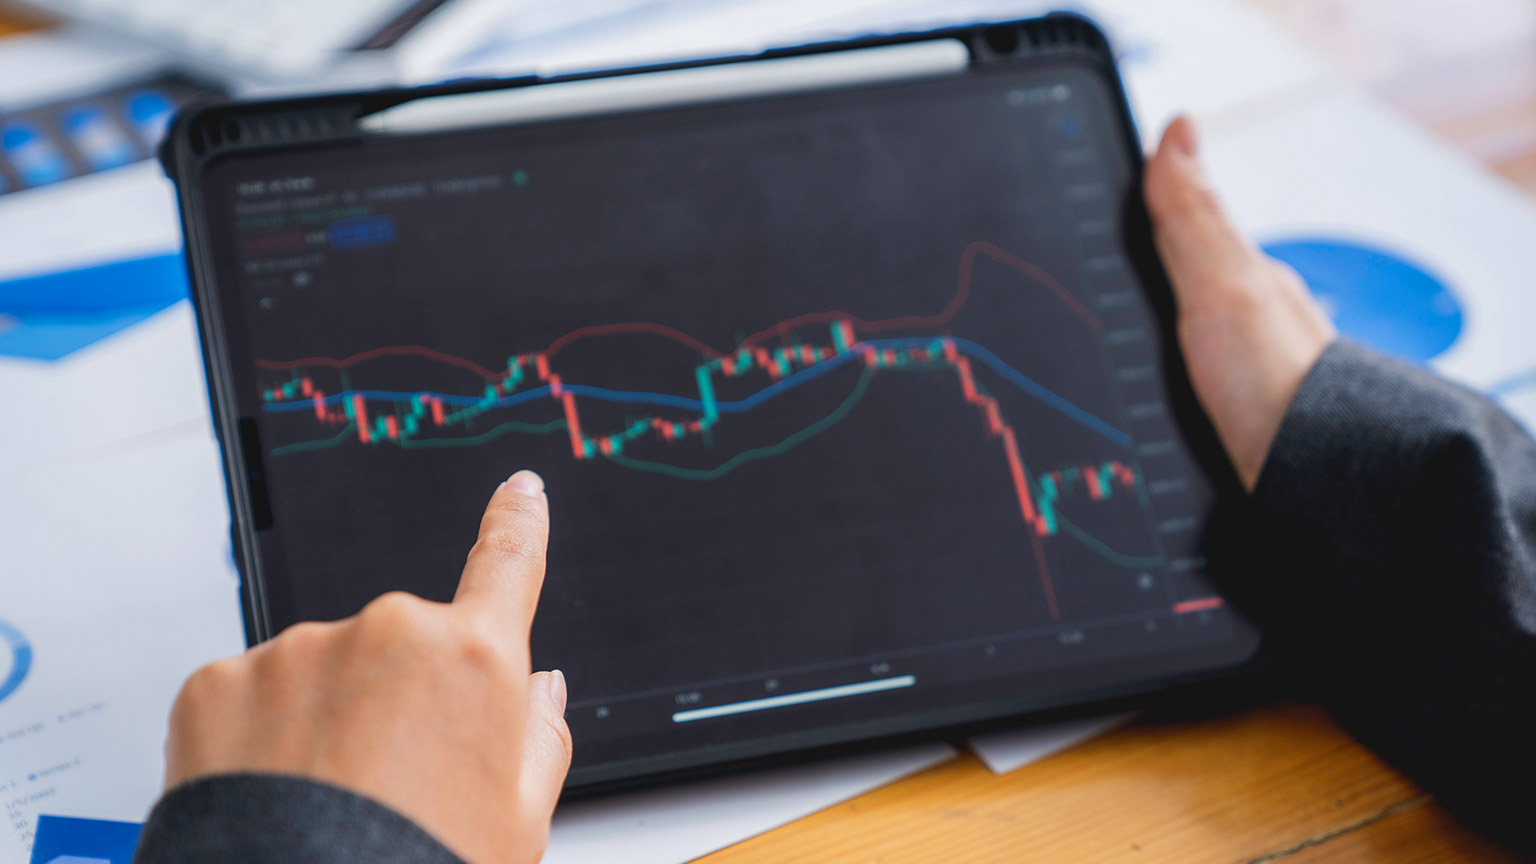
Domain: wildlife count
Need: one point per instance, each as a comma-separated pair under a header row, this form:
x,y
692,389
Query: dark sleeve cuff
x,y
1395,562
265,819
1357,418
1361,448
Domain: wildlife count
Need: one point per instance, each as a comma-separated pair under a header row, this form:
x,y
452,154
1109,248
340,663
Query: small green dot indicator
x,y
520,178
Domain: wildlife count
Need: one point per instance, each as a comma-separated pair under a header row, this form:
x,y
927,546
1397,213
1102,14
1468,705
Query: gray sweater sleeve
x,y
1397,523
267,819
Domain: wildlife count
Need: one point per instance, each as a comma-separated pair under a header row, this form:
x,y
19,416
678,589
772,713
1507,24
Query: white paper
x,y
140,382
672,824
117,572
114,215
132,387
1009,750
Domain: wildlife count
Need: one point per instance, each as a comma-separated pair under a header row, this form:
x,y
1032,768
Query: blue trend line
x,y
738,406
1023,382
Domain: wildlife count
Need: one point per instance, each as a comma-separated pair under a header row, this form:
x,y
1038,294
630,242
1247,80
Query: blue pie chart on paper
x,y
1376,296
15,659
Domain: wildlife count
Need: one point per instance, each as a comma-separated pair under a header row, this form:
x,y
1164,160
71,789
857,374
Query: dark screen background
x,y
872,531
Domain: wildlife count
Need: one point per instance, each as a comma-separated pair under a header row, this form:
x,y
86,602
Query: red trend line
x,y
639,327
387,351
962,294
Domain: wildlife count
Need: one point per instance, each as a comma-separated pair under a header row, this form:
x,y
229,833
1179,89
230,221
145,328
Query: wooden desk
x,y
1279,782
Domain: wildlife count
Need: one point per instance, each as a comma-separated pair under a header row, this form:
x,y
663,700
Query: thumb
x,y
547,747
1248,327
1200,247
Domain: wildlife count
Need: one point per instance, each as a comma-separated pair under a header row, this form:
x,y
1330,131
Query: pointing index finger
x,y
505,569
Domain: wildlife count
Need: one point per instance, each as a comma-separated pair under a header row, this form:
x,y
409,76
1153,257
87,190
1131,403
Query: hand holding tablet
x,y
1249,328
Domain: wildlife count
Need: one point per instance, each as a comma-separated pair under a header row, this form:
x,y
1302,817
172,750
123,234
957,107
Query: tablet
x,y
849,371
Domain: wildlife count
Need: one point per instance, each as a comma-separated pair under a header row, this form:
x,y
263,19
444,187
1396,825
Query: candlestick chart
x,y
842,388
536,392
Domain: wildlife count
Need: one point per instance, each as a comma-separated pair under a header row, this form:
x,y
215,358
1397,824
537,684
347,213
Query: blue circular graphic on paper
x,y
20,660
1375,296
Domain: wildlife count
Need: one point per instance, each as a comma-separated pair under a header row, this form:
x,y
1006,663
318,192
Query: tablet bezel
x,y
206,135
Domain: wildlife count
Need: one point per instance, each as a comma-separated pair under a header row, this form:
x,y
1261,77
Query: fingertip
x,y
1182,136
549,692
557,689
525,482
1172,166
505,568
547,757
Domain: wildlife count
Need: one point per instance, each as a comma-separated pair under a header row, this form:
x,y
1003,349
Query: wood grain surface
x,y
1273,783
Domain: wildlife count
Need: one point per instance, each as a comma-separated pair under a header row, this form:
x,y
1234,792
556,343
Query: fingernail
x,y
1186,138
557,688
525,482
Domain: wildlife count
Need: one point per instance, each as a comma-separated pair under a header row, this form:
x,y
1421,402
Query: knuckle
x,y
393,621
208,684
395,609
305,638
519,512
1197,198
511,543
293,651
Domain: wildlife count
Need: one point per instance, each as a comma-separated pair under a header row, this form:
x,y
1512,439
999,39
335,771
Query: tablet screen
x,y
850,404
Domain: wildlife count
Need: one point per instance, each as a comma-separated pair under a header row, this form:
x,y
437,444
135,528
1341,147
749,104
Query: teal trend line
x,y
488,435
412,443
1109,554
318,444
745,456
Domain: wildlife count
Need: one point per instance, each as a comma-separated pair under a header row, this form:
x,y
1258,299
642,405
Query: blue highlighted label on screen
x,y
16,660
362,232
842,691
1376,296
